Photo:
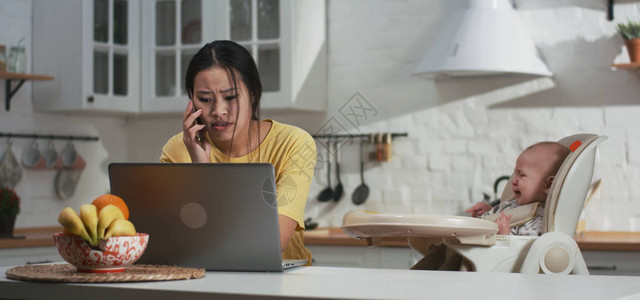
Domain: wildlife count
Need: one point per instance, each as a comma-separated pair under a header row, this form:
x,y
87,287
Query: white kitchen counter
x,y
340,283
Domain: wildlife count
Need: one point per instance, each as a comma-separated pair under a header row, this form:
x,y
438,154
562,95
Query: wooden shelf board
x,y
24,76
627,66
20,78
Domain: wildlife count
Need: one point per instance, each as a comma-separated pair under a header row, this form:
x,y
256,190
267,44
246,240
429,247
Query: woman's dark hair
x,y
234,58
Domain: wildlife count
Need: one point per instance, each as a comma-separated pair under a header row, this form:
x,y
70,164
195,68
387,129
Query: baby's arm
x,y
503,224
478,209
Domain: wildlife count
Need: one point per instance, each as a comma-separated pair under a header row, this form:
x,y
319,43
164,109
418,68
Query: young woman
x,y
222,124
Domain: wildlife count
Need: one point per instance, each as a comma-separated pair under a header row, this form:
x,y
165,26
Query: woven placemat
x,y
68,273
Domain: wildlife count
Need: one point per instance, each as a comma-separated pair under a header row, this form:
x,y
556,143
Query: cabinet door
x,y
363,257
398,258
92,49
288,42
111,64
291,79
621,263
31,255
173,31
261,27
344,256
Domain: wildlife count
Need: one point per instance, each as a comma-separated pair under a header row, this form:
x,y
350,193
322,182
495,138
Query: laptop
x,y
220,217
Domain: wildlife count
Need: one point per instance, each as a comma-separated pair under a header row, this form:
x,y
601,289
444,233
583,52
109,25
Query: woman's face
x,y
222,107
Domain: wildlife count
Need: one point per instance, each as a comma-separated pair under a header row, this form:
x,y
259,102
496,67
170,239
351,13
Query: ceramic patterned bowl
x,y
119,252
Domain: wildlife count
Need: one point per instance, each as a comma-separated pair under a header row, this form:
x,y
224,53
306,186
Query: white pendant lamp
x,y
485,37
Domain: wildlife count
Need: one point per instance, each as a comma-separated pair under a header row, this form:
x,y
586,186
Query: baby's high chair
x,y
476,240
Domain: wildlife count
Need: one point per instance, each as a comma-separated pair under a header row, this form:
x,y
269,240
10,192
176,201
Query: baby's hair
x,y
558,153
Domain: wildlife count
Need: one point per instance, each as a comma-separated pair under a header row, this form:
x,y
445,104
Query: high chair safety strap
x,y
520,214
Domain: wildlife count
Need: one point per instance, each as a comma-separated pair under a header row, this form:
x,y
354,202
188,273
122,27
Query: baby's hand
x,y
503,224
478,209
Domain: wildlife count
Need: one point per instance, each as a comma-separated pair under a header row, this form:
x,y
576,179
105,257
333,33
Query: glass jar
x,y
17,60
3,58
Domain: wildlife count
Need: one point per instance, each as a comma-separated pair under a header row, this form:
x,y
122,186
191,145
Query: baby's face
x,y
530,177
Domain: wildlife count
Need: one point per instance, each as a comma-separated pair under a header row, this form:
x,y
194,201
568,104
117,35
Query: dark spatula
x,y
326,194
339,190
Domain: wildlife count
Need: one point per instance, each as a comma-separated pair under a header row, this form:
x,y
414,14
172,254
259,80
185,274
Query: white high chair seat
x,y
476,239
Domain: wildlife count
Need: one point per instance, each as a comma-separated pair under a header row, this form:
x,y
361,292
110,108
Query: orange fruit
x,y
116,201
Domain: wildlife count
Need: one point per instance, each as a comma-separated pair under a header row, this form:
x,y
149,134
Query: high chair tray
x,y
464,230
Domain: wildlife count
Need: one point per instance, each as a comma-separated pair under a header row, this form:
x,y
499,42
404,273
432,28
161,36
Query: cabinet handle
x,y
46,261
613,267
90,99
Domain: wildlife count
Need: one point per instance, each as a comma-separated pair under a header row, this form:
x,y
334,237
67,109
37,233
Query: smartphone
x,y
198,121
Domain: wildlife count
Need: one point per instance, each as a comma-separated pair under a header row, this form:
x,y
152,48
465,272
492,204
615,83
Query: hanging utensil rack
x,y
360,135
49,136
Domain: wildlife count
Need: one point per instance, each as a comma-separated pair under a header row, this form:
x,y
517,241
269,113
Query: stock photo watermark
x,y
339,130
301,164
335,133
357,110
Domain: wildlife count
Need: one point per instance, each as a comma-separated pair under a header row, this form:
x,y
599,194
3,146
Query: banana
x,y
89,216
107,215
120,227
70,220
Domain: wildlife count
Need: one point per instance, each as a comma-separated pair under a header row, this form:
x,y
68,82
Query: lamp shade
x,y
485,37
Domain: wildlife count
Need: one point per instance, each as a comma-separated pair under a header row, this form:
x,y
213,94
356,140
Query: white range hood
x,y
485,37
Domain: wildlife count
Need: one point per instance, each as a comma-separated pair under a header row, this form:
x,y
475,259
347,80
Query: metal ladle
x,y
326,194
361,193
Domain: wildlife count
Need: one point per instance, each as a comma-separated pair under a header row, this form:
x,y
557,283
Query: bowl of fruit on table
x,y
100,239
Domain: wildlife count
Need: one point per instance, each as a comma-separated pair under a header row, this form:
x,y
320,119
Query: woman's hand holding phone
x,y
192,136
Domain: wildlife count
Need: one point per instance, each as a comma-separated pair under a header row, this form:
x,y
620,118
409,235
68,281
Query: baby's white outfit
x,y
531,227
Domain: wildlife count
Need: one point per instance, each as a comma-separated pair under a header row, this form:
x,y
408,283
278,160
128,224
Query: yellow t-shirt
x,y
292,152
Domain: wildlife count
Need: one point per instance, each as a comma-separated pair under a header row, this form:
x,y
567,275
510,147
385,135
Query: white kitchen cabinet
x,y
119,56
92,48
286,38
302,58
612,262
362,257
621,263
31,255
173,30
398,257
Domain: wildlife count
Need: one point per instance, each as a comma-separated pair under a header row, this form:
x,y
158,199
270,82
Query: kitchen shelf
x,y
21,78
627,66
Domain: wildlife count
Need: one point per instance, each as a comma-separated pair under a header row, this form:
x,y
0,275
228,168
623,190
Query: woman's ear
x,y
547,185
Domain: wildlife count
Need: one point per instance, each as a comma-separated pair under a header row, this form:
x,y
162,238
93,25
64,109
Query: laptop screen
x,y
213,216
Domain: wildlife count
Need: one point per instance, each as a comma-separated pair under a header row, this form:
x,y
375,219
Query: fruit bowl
x,y
119,252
